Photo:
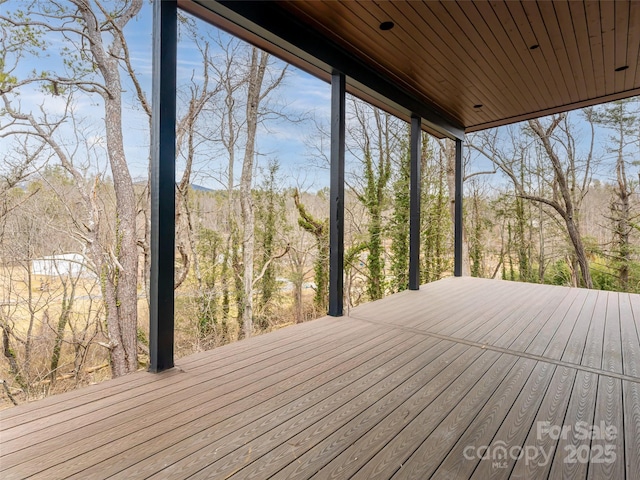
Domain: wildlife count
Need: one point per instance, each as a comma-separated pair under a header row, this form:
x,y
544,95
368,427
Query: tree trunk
x,y
621,209
568,213
63,320
581,256
320,230
256,75
122,300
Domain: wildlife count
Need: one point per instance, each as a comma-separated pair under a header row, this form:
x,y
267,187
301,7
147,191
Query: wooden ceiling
x,y
478,63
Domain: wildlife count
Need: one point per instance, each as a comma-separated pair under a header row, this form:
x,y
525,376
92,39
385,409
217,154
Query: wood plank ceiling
x,y
485,63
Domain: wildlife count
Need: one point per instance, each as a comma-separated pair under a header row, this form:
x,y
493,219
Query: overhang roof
x,y
462,66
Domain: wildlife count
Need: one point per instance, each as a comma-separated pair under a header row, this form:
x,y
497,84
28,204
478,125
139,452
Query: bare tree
x,y
620,117
567,174
96,52
39,288
569,189
200,95
256,93
300,255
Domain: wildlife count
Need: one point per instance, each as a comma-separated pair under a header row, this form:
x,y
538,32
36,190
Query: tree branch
x,y
266,265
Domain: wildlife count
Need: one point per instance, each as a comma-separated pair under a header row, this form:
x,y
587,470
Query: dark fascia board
x,y
267,25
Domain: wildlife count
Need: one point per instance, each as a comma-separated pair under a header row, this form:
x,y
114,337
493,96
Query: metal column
x,y
457,247
336,202
414,204
163,154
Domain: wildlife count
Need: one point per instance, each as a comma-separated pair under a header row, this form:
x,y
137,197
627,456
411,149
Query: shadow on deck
x,y
466,378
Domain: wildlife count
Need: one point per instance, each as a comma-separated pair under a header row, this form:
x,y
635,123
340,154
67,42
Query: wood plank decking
x,y
466,378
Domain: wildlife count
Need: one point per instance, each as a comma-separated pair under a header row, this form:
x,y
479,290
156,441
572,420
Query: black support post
x,y
163,154
459,179
414,204
336,207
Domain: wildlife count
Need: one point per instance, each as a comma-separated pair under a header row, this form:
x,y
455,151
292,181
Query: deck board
x,y
516,424
581,408
112,426
477,433
123,387
345,426
207,385
574,350
458,401
398,389
539,449
630,390
260,417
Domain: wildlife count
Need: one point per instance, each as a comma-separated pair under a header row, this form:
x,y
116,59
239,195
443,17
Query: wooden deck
x,y
466,378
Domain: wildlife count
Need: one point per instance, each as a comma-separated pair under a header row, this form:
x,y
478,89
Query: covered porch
x,y
465,378
447,68
461,378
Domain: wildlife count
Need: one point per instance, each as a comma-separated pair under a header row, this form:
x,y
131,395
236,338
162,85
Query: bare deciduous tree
x,y
620,117
97,51
257,92
567,173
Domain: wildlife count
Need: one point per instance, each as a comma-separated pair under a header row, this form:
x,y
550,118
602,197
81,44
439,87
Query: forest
x,y
551,200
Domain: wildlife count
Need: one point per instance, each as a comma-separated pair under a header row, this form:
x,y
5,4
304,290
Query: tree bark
x,y
121,285
256,75
568,213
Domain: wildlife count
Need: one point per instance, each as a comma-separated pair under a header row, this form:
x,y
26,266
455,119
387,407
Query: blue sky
x,y
305,93
281,140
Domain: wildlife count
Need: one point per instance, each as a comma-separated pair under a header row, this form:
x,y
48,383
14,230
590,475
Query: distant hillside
x,y
200,188
197,188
